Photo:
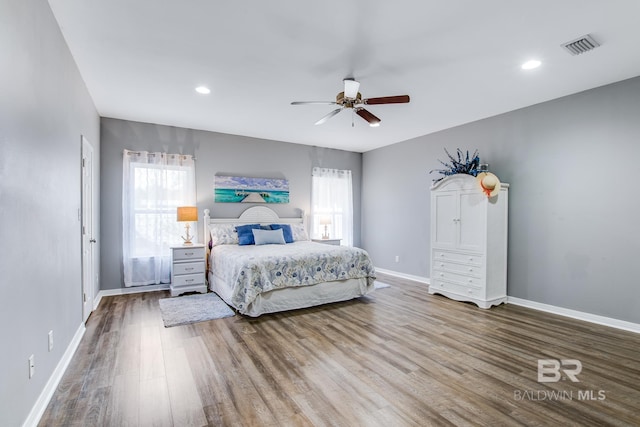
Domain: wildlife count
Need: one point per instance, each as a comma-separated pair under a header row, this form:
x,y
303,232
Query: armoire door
x,y
472,221
445,211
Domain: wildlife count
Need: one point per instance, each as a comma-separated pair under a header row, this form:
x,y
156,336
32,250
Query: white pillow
x,y
268,237
299,232
223,234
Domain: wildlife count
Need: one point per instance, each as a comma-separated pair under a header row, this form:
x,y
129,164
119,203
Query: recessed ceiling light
x,y
530,65
203,90
374,125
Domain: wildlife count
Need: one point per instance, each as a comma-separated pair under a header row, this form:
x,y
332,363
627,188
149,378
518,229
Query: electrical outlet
x,y
50,340
397,258
32,366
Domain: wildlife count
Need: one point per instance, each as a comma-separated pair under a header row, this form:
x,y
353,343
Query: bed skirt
x,y
295,297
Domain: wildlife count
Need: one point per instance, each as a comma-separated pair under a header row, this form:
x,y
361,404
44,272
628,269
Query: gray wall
x,y
573,202
215,153
44,108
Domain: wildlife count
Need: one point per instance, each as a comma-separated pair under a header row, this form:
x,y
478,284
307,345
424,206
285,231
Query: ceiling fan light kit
x,y
351,98
351,88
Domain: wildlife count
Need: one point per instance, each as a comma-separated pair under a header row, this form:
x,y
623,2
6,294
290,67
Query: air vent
x,y
581,45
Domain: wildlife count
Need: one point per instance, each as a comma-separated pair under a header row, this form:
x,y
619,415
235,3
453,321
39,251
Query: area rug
x,y
380,285
192,309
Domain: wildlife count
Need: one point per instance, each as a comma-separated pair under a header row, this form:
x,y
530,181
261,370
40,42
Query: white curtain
x,y
153,186
332,201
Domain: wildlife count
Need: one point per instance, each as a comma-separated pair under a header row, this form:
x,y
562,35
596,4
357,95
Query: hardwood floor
x,y
399,357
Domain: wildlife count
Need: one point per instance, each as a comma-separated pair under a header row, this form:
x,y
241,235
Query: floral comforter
x,y
256,269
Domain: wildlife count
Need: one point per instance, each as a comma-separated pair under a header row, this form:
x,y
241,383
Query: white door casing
x,y
88,239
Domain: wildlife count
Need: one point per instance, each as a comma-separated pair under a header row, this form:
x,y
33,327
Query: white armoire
x,y
469,241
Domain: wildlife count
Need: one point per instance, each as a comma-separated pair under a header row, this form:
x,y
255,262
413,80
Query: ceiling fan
x,y
351,98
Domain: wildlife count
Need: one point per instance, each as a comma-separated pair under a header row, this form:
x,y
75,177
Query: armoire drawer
x,y
458,257
468,291
469,269
459,279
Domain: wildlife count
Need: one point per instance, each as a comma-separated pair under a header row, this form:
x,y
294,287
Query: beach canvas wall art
x,y
239,189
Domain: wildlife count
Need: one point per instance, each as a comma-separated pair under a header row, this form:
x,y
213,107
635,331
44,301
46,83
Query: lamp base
x,y
187,239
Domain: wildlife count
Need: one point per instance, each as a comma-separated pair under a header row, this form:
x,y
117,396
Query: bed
x,y
265,278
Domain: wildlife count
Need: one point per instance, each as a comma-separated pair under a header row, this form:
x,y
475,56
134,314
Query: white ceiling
x,y
458,60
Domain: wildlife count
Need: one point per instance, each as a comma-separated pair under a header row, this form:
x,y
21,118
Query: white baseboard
x,y
124,291
561,311
579,315
47,393
420,279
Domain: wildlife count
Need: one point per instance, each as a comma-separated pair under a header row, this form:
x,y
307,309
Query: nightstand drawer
x,y
188,280
188,268
334,242
188,253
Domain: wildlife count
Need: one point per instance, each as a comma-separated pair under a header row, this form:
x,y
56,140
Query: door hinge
x,y
83,162
84,297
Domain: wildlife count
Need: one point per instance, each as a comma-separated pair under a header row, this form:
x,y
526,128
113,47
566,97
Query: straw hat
x,y
489,183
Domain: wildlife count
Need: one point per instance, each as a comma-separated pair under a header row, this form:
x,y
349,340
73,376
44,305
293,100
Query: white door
x,y
88,240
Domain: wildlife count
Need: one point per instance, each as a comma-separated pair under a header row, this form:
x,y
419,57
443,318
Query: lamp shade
x,y
187,213
325,220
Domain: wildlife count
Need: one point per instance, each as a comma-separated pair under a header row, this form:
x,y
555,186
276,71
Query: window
x,y
154,185
332,204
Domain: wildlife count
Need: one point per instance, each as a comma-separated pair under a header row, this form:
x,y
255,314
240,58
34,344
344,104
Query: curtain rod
x,y
129,152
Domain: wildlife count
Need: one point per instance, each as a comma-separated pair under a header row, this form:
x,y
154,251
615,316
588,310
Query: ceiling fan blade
x,y
400,99
328,116
351,88
368,116
313,103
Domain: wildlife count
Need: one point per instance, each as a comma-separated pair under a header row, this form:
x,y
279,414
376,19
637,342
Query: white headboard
x,y
253,215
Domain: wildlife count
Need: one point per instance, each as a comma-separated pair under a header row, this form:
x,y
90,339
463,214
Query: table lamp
x,y
187,214
325,220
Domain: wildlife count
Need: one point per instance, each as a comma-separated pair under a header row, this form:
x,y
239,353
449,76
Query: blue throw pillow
x,y
245,236
286,231
268,237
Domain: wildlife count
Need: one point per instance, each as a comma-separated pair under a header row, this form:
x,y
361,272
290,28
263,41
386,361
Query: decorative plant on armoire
x,y
465,163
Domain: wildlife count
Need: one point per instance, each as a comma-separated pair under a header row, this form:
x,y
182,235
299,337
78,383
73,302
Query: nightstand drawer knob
x,y
189,280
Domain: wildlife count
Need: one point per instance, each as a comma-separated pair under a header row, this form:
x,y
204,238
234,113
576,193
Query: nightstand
x,y
334,242
187,269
